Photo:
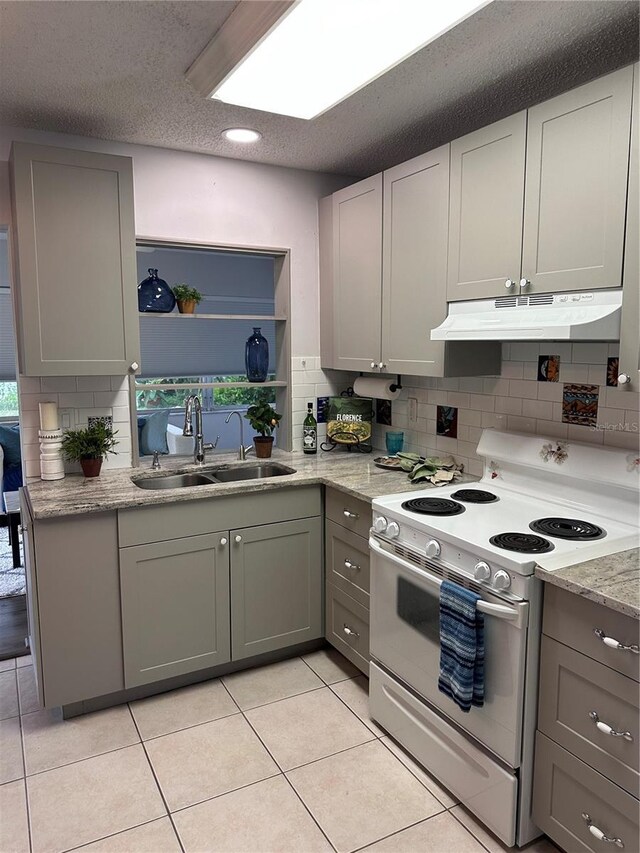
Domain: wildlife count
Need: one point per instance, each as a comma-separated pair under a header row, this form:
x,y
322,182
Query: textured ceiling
x,y
115,70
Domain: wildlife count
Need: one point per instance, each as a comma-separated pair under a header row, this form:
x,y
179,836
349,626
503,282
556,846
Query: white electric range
x,y
539,500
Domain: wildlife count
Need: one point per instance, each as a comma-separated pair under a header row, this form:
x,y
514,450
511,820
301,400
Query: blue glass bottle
x,y
155,295
256,356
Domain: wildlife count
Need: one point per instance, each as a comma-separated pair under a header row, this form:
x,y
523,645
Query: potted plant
x,y
264,420
187,298
89,447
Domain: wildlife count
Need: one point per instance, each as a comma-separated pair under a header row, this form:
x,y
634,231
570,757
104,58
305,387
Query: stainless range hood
x,y
591,315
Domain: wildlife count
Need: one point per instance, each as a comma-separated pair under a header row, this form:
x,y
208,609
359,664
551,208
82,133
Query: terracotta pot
x,y
263,445
91,467
187,306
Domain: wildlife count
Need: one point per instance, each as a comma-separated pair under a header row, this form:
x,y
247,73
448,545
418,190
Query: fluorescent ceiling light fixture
x,y
322,51
241,134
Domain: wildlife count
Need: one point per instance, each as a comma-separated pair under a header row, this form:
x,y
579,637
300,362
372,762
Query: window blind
x,y
7,338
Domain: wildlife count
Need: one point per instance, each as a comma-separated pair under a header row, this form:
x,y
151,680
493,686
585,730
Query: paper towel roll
x,y
374,386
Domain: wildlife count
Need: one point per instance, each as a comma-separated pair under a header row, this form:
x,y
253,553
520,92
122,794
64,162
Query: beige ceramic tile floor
x,y
281,759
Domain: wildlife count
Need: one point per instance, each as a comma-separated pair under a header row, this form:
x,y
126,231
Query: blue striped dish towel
x,y
461,646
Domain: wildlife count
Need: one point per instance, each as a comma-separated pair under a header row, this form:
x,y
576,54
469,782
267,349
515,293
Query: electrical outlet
x,y
66,418
413,410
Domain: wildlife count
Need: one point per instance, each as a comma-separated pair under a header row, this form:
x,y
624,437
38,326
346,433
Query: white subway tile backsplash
x,y
493,421
523,388
56,384
470,417
589,353
111,398
508,405
524,351
516,423
597,374
29,402
537,409
552,429
620,398
29,384
120,414
550,391
93,383
530,370
574,373
458,399
119,383
474,385
78,400
588,434
481,402
512,369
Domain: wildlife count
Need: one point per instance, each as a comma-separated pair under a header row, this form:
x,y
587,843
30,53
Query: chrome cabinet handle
x,y
606,729
614,644
348,514
624,379
349,565
373,365
382,365
599,834
349,631
509,283
524,283
237,539
134,366
224,540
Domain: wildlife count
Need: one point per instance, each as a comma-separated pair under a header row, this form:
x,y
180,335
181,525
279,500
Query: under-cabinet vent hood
x,y
592,315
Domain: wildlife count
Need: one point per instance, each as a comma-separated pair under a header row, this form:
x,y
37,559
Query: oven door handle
x,y
499,610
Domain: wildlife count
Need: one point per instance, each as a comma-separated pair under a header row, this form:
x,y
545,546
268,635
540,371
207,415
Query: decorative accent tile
x,y
580,404
548,368
613,368
322,405
447,421
107,420
383,412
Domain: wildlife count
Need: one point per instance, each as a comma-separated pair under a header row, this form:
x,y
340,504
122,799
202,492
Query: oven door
x,y
405,638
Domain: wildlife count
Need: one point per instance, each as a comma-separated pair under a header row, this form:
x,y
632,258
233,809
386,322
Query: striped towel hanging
x,y
461,646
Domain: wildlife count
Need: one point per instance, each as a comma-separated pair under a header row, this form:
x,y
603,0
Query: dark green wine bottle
x,y
310,432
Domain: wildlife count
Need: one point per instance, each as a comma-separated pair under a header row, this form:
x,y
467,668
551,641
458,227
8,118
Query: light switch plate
x,y
67,418
413,410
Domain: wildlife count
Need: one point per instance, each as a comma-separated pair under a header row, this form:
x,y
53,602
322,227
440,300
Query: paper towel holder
x,y
396,386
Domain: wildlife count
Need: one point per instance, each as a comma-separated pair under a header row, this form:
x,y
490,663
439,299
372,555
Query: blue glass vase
x,y
155,295
256,356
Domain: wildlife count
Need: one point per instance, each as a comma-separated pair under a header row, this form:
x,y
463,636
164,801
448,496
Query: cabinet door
x,y
485,213
357,275
577,164
276,586
629,339
175,607
414,284
77,306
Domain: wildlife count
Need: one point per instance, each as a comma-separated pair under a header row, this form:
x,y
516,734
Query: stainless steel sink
x,y
251,472
175,481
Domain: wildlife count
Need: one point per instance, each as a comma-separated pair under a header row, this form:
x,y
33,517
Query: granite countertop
x,y
610,579
353,473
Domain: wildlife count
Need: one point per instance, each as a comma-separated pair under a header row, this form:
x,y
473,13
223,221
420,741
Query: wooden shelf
x,y
252,317
171,386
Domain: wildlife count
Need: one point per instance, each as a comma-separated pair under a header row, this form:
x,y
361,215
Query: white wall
x,y
200,198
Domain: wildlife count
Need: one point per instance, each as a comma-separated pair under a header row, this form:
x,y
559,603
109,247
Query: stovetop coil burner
x,y
433,506
475,496
522,543
568,528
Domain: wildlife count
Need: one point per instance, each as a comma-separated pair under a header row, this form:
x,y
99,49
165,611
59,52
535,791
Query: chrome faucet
x,y
242,450
199,448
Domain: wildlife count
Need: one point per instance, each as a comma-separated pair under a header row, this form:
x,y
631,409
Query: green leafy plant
x,y
94,442
263,418
184,293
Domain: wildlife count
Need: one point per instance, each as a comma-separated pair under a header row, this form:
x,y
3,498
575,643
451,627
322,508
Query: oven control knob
x,y
393,530
482,571
501,580
433,548
380,524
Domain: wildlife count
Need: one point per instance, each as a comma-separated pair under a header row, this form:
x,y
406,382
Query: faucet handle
x,y
215,443
156,460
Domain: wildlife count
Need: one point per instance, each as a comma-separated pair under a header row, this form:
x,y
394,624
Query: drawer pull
x,y
599,834
349,565
607,730
349,631
348,514
614,644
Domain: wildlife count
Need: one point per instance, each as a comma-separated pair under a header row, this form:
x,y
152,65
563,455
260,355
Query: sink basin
x,y
175,481
251,472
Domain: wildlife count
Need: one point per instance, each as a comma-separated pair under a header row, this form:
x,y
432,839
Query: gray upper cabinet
x,y
576,184
485,211
276,586
416,197
76,298
357,275
175,607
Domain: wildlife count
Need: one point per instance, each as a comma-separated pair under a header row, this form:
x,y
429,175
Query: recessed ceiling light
x,y
322,51
241,134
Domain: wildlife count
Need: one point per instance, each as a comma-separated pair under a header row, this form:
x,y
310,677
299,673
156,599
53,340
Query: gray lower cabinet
x,y
276,586
175,607
74,242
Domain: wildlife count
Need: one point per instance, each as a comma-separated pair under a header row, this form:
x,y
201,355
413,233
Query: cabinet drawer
x,y
347,627
574,621
565,788
142,525
572,686
348,562
349,512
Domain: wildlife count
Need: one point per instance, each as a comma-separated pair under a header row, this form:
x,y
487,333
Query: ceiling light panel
x,y
322,51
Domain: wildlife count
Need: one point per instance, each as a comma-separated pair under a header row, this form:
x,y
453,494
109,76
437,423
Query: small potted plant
x,y
89,447
187,298
264,420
